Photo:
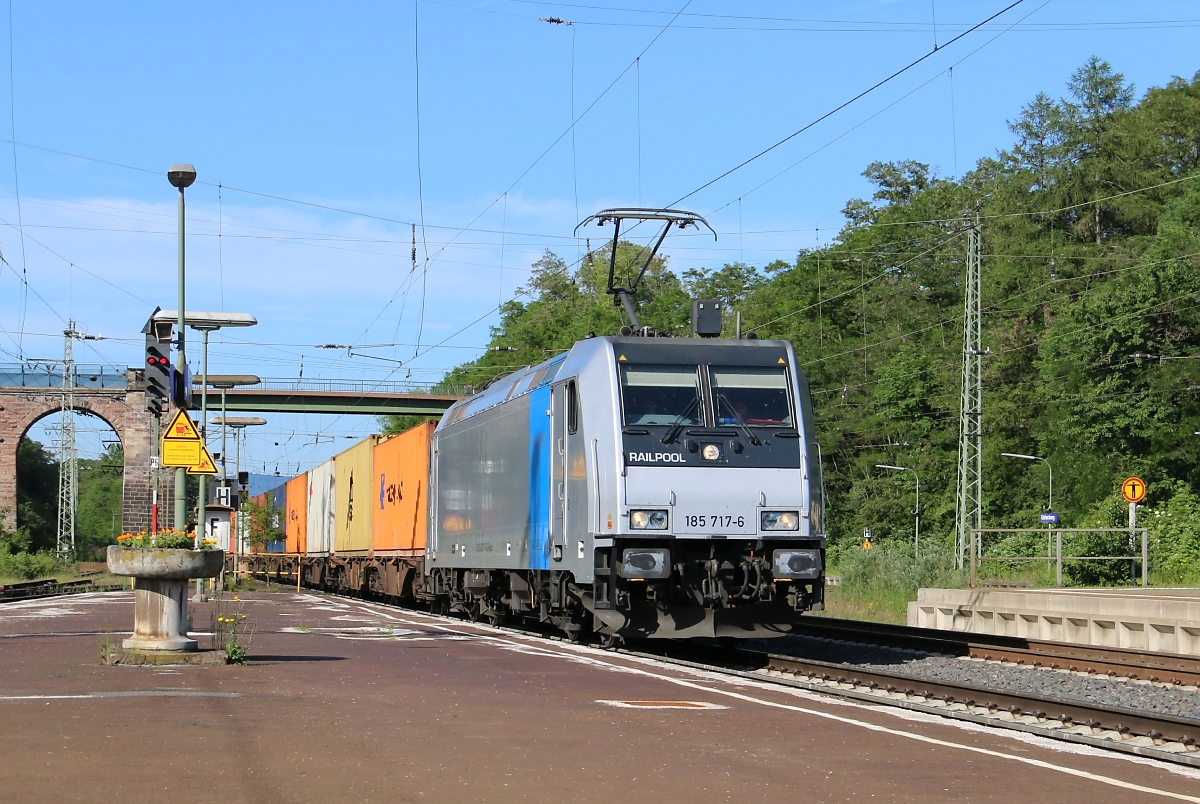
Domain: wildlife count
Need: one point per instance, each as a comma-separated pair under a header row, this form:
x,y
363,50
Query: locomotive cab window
x,y
757,396
661,395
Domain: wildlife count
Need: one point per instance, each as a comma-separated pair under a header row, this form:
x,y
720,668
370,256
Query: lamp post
x,y
225,382
916,508
238,424
1049,499
181,176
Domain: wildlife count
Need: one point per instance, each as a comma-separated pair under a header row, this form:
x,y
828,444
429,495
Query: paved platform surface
x,y
345,701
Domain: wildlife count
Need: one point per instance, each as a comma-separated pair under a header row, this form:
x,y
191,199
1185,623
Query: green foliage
x,y
882,581
396,424
28,566
37,496
264,522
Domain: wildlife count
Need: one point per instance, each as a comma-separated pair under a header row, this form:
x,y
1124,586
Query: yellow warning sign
x,y
181,453
205,466
181,428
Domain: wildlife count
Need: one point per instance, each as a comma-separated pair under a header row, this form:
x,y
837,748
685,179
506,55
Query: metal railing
x,y
1058,558
50,375
321,385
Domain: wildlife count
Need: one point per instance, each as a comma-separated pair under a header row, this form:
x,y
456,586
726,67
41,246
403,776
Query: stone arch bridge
x,y
28,395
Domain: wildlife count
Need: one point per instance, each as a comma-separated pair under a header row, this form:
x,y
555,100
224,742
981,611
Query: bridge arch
x,y
120,408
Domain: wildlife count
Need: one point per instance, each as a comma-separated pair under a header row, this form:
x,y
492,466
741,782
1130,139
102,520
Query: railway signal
x,y
158,375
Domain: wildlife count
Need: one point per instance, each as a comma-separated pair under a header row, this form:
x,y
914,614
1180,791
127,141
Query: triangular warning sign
x,y
181,428
781,360
622,357
205,466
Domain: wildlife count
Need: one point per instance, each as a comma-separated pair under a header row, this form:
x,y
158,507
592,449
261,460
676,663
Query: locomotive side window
x,y
572,408
758,396
661,394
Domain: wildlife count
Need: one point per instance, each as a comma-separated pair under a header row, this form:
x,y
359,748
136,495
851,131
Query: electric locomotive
x,y
634,487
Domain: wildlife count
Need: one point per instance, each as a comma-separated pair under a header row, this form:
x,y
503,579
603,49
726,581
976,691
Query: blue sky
x,y
311,106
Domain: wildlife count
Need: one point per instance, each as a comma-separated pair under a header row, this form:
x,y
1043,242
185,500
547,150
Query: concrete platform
x,y
343,701
1165,620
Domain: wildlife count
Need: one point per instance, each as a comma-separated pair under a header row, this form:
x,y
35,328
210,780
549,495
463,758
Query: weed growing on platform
x,y
109,652
232,631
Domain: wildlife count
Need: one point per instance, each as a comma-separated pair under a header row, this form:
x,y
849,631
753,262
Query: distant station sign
x,y
1049,518
1133,489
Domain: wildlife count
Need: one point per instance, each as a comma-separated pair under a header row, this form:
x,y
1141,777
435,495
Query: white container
x,y
321,515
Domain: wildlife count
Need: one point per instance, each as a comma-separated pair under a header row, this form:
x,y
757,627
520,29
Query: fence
x,y
50,375
1058,558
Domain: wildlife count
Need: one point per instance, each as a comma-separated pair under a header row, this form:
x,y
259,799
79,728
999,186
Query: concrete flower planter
x,y
160,592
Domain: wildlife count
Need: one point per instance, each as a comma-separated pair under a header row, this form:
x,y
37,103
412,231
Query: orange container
x,y
296,519
400,495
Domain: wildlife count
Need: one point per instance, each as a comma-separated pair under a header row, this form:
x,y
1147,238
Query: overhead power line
x,y
841,106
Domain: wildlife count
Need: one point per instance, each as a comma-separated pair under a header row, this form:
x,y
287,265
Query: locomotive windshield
x,y
757,396
661,394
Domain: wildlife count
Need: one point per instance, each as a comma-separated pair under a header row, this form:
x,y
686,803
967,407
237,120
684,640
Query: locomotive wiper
x,y
680,421
737,417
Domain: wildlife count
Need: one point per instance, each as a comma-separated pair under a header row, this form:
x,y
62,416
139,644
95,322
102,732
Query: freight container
x,y
321,500
296,518
400,493
354,483
277,499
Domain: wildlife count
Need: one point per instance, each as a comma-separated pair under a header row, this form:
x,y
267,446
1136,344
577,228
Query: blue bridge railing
x,y
50,375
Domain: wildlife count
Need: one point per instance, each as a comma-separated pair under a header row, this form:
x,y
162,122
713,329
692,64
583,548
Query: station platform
x,y
1166,620
349,701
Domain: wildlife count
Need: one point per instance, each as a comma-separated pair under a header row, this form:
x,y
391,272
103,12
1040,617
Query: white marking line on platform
x,y
878,728
665,705
125,694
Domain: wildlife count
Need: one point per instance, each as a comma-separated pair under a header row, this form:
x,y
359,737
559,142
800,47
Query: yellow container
x,y
353,533
400,495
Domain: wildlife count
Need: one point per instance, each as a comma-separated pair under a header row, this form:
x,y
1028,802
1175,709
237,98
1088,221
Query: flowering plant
x,y
164,538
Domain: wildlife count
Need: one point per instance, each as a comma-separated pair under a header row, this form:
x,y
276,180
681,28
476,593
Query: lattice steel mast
x,y
970,417
68,455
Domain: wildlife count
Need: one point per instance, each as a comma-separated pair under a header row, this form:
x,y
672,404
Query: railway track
x,y
1134,665
1149,734
52,588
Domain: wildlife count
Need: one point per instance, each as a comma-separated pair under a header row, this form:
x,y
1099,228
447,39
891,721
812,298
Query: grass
x,y
878,584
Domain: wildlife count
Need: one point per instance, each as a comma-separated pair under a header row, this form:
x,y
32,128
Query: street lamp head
x,y
889,466
181,175
228,381
207,320
1022,457
237,422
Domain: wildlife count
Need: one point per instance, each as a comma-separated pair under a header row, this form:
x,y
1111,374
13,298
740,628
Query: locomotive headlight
x,y
642,563
804,565
648,520
711,452
780,520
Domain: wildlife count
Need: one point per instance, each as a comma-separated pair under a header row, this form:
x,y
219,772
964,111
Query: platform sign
x,y
205,465
181,428
1049,518
183,448
1133,490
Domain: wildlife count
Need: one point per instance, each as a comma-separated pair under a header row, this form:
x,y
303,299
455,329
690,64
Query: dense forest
x,y
1090,228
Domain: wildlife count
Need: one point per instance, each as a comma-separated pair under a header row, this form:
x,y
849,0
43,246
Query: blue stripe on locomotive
x,y
539,479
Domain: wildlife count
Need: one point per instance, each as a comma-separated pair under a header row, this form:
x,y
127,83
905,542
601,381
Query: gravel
x,y
1183,702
